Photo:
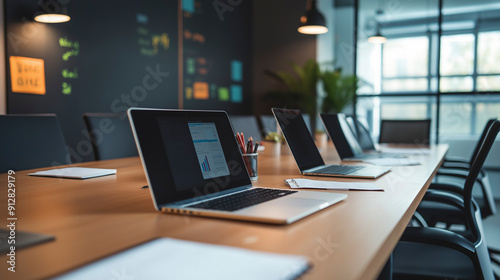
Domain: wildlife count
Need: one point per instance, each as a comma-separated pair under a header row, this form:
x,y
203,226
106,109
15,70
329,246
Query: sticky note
x,y
201,90
27,75
236,71
223,94
188,6
236,94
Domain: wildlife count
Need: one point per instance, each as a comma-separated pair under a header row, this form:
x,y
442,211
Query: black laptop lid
x,y
299,139
344,140
187,154
405,131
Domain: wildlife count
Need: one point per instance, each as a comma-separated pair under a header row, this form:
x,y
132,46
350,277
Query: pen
x,y
250,140
242,146
249,146
256,147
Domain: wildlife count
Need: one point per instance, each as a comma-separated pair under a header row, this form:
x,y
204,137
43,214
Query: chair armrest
x,y
456,159
458,166
453,173
444,197
439,237
448,187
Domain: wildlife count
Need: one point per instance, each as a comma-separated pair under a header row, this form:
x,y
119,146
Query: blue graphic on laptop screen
x,y
212,162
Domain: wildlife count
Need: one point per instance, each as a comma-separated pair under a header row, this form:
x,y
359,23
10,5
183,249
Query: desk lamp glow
x,y
58,15
312,22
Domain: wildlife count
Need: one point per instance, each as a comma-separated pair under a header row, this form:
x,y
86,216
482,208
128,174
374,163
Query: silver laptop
x,y
193,166
345,142
306,153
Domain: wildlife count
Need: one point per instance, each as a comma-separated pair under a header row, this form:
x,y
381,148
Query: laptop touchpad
x,y
285,207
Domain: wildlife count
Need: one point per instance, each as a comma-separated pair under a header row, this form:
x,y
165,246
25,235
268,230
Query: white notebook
x,y
75,172
167,258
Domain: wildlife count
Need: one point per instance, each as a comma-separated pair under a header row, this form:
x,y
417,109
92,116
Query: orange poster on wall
x,y
27,75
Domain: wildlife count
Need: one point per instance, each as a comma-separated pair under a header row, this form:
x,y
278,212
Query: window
x,y
488,61
402,74
405,64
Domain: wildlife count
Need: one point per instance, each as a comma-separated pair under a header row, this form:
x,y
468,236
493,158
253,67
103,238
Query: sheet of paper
x,y
405,151
331,185
75,172
392,161
167,258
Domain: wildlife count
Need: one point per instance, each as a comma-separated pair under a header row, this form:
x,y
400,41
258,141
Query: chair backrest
x,y
405,131
362,133
481,139
111,135
31,141
268,124
477,165
248,125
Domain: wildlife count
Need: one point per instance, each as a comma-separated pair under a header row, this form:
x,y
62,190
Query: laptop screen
x,y
188,154
342,136
405,131
299,139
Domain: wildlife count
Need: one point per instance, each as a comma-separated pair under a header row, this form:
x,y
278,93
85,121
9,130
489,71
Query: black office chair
x,y
111,135
248,125
405,131
31,141
362,134
268,124
459,168
435,253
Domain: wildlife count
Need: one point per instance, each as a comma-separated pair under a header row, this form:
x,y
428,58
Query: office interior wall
x,y
344,38
130,59
3,94
325,42
276,43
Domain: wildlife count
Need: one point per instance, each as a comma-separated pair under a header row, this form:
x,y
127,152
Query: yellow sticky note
x,y
27,75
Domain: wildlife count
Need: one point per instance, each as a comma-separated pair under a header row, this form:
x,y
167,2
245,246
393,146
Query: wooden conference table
x,y
98,217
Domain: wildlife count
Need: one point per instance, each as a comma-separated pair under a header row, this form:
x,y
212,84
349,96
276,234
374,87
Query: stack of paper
x,y
75,172
331,185
166,258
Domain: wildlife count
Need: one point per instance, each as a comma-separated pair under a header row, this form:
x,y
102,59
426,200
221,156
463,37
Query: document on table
x,y
392,161
331,185
75,172
405,151
167,258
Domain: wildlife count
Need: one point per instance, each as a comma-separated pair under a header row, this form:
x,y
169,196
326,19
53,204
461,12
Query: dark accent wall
x,y
114,54
277,43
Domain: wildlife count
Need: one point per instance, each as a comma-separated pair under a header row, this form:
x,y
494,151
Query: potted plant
x,y
339,91
273,142
299,89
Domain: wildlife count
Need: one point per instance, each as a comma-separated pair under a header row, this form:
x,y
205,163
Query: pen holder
x,y
251,165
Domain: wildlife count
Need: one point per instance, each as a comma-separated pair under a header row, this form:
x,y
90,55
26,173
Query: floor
x,y
492,232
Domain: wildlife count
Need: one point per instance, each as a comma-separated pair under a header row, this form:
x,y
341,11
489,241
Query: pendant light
x,y
312,22
50,11
378,38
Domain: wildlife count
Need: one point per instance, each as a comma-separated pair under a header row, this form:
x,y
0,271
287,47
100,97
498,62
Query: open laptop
x,y
345,142
405,132
193,166
306,153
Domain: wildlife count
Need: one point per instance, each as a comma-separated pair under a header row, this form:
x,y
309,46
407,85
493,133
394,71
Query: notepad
x,y
331,185
167,258
75,172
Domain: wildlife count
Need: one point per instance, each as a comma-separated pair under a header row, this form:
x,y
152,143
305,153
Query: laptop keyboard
x,y
242,199
338,169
